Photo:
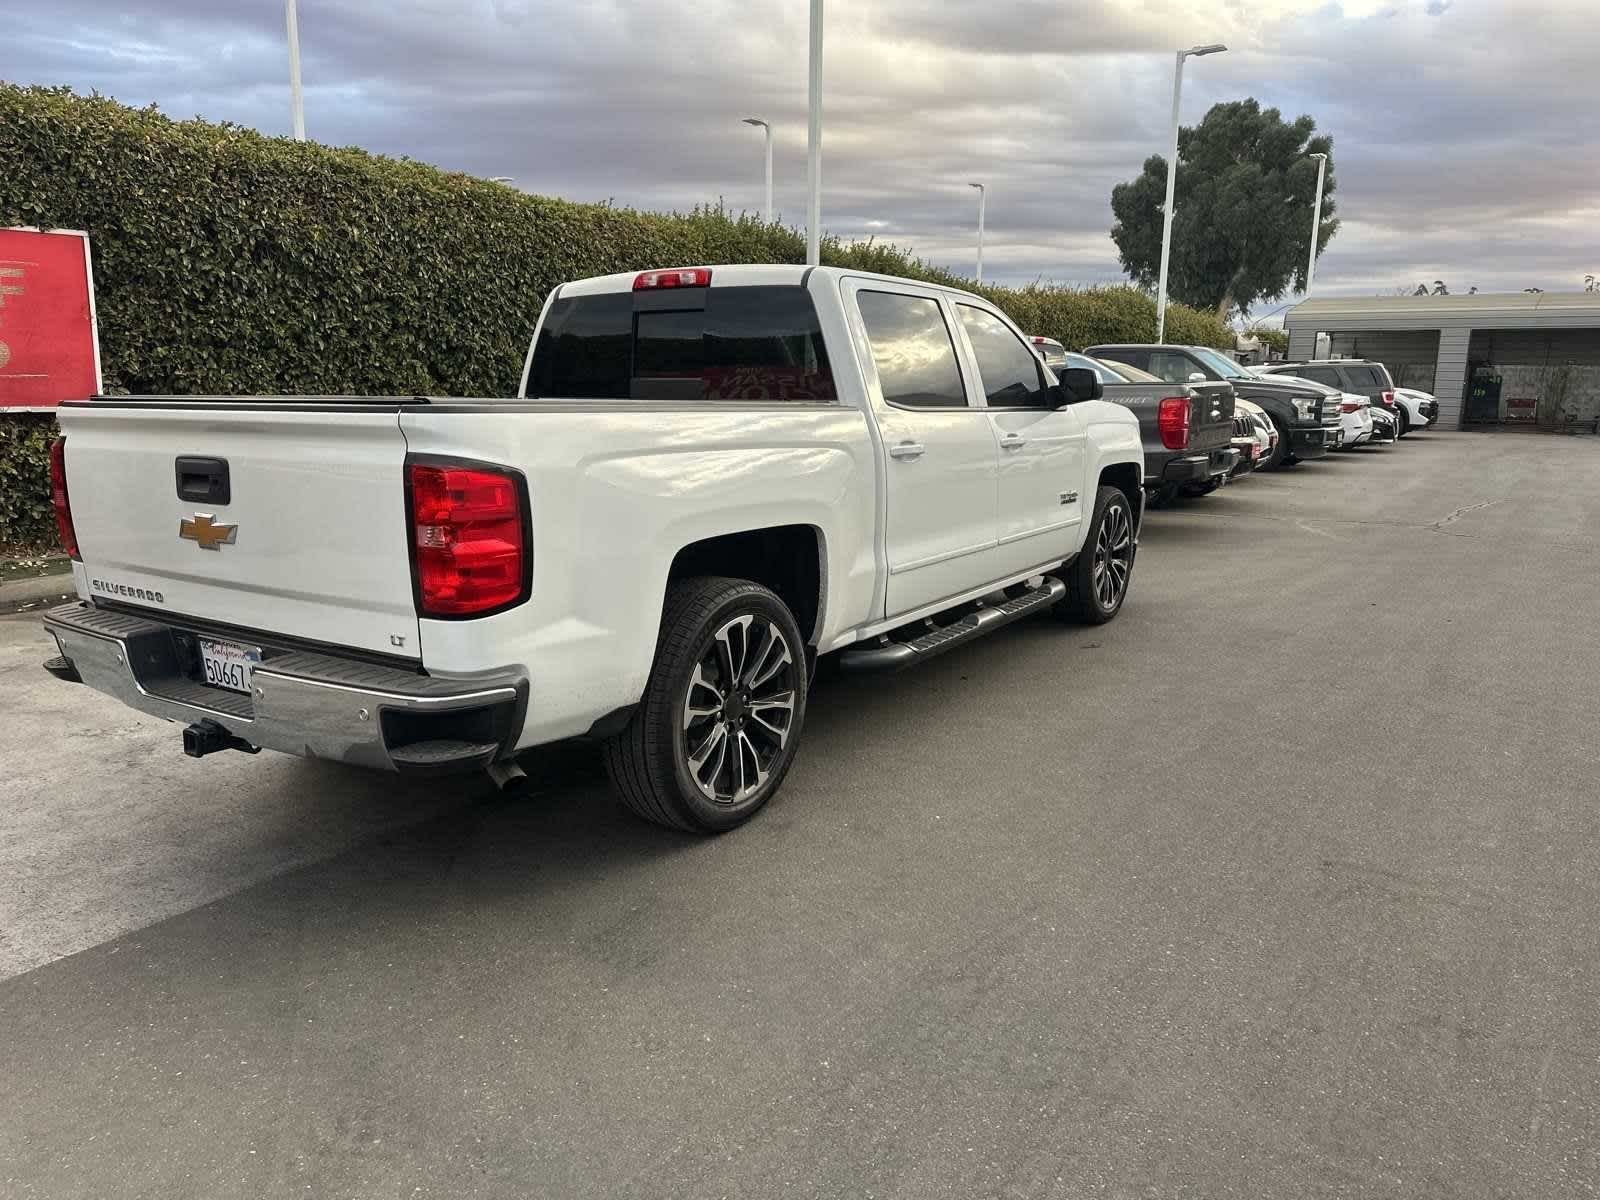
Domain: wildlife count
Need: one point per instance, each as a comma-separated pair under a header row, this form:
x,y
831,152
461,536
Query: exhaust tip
x,y
507,776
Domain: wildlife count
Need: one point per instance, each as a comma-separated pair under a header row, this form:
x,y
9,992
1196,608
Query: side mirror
x,y
1197,377
1079,384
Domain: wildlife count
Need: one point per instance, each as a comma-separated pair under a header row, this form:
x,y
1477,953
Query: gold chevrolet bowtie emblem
x,y
205,530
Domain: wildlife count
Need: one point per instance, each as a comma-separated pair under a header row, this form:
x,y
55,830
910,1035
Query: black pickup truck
x,y
1307,426
1187,430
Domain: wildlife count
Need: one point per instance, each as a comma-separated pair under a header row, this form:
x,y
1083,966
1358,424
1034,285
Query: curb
x,y
24,595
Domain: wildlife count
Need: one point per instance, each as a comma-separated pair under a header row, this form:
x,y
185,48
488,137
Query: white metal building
x,y
1540,352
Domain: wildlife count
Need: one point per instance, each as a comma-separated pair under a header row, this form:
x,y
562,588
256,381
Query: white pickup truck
x,y
710,477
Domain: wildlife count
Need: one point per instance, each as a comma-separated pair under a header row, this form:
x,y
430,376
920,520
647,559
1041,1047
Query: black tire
x,y
1163,495
1404,419
1200,489
1088,600
651,761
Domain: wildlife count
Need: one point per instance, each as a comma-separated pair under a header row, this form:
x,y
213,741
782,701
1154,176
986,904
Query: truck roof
x,y
1320,362
745,275
1145,346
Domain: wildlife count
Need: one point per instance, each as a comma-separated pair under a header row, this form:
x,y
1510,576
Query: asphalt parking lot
x,y
1283,884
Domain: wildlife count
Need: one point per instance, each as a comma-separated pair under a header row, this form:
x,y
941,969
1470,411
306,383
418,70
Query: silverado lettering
x,y
132,593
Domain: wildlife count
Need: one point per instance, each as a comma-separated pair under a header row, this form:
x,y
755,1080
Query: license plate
x,y
228,665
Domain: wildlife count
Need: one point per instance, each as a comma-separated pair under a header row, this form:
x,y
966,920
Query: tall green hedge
x,y
26,522
230,262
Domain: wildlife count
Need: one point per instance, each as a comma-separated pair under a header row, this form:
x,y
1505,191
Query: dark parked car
x,y
1308,426
1187,432
1361,375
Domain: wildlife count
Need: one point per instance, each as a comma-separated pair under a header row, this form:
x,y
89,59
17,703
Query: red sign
x,y
49,347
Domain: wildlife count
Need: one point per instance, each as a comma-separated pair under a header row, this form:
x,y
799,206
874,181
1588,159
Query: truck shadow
x,y
548,859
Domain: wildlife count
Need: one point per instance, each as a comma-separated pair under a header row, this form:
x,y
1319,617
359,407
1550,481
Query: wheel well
x,y
785,558
1129,478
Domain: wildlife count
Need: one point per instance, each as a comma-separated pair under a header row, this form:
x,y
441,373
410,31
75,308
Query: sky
x,y
1466,146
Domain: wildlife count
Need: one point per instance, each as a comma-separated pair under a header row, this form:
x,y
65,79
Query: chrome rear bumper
x,y
301,702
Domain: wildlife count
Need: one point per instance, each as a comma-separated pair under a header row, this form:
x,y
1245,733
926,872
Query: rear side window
x,y
1010,371
911,347
730,343
1327,376
1133,357
1174,368
1364,377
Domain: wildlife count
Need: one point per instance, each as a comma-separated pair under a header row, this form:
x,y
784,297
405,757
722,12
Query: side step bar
x,y
887,655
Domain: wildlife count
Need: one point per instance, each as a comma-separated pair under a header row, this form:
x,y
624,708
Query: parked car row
x,y
710,478
1274,415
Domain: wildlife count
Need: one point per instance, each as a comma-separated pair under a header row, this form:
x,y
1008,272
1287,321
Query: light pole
x,y
1172,179
983,194
297,104
766,211
814,144
1316,222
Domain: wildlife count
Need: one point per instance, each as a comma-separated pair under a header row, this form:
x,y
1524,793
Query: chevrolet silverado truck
x,y
710,477
1307,427
1187,431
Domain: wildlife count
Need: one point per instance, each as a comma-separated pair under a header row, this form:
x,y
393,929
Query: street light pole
x,y
983,194
297,104
1172,180
1316,222
814,144
766,211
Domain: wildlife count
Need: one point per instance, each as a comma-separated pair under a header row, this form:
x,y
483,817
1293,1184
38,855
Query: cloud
x,y
1461,145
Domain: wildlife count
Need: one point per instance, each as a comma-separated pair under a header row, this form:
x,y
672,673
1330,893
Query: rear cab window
x,y
755,343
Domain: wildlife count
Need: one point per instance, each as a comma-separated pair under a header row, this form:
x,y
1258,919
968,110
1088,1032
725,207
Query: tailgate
x,y
311,541
1211,416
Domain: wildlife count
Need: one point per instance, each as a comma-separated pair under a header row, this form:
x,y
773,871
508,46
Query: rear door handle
x,y
1013,441
907,450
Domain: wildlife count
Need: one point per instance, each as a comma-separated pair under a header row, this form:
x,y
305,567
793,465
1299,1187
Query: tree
x,y
1245,190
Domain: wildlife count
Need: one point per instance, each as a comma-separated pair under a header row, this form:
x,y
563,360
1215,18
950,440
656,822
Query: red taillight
x,y
470,537
682,277
1352,405
58,498
1172,418
1388,399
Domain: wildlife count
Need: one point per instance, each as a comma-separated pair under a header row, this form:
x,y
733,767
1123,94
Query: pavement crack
x,y
1538,1092
1456,514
